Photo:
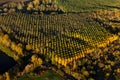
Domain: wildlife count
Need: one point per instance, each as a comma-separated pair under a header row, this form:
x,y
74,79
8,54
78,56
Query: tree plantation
x,y
62,42
60,39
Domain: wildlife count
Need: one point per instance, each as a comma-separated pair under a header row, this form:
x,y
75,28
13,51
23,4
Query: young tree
x,y
74,65
39,61
13,45
33,58
6,36
6,41
28,47
30,6
12,5
42,7
19,50
5,9
28,68
36,60
7,76
19,6
36,2
11,10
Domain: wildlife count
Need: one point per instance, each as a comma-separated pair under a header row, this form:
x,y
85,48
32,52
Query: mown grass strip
x,y
9,52
46,75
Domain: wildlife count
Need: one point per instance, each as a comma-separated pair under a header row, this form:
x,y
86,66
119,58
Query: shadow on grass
x,y
6,62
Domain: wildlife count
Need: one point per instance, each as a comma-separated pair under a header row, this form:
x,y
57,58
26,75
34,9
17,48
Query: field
x,y
87,5
61,39
46,75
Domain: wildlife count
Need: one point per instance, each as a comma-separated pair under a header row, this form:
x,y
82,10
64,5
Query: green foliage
x,y
46,75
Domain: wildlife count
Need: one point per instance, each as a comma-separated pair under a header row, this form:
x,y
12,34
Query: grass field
x,y
9,52
87,5
48,75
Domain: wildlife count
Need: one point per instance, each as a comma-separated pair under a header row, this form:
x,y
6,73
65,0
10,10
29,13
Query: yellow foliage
x,y
29,68
0,39
33,58
6,36
74,65
36,2
39,60
7,76
7,43
30,6
118,70
20,45
19,50
28,47
13,45
36,61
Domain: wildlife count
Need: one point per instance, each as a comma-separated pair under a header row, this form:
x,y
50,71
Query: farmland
x,y
70,42
87,5
51,40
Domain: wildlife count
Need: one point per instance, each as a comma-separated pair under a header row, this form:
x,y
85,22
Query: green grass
x,y
48,75
86,5
9,52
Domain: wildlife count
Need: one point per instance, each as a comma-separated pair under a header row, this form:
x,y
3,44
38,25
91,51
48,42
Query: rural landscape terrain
x,y
59,40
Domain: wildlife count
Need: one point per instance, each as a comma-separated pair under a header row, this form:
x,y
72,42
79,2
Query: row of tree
x,y
17,47
35,62
5,40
